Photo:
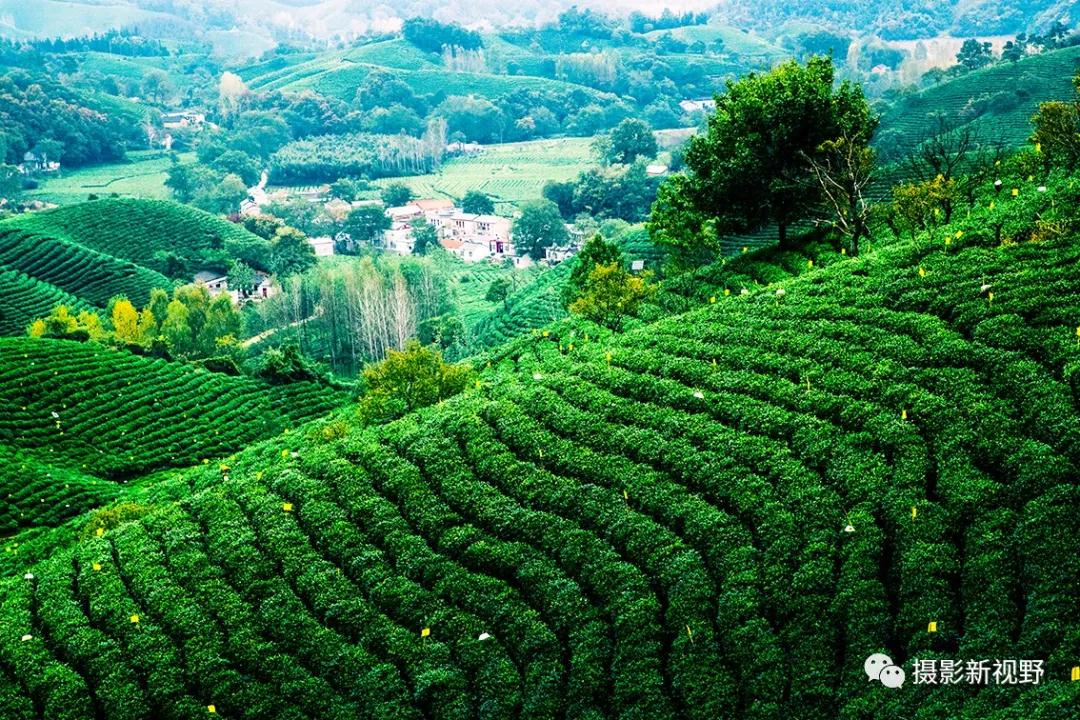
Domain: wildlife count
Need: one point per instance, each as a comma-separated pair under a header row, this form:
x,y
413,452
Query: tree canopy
x,y
751,167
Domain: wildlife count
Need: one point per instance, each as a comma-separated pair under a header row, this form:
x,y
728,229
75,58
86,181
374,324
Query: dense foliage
x,y
328,157
39,115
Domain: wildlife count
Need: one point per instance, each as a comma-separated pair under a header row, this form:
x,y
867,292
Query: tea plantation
x,y
145,232
110,413
83,255
718,513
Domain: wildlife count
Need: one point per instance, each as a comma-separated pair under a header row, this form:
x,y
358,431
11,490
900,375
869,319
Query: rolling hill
x,y
996,102
110,413
83,255
718,513
143,231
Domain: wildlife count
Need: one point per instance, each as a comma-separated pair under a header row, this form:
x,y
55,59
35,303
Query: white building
x,y
471,237
323,246
216,284
184,119
698,105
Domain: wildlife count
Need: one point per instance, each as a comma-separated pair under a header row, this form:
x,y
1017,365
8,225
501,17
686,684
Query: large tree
x,y
631,139
751,168
477,203
364,225
540,226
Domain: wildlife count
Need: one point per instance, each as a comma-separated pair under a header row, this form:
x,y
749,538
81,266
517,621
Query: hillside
x,y
156,234
83,255
721,513
997,102
338,74
114,414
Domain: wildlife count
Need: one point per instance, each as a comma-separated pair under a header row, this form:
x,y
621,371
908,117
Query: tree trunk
x,y
782,232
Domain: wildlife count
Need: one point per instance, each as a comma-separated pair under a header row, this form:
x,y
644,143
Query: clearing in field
x,y
142,176
510,173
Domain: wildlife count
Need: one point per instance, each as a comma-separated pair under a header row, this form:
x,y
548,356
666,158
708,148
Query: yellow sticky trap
x,y
990,296
843,251
903,414
932,627
689,633
211,709
745,249
100,531
809,264
135,619
625,495
571,347
1076,674
991,204
727,291
287,507
96,567
1038,149
948,241
922,271
258,475
285,453
1016,192
425,632
914,512
959,234
545,333
607,356
479,384
712,299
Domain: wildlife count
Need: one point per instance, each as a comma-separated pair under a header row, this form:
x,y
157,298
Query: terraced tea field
x,y
717,514
142,177
997,101
110,413
142,231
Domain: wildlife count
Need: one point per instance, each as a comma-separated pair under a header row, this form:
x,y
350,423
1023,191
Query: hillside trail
x,y
267,333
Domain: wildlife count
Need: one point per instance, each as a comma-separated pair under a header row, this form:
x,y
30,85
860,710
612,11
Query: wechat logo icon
x,y
880,667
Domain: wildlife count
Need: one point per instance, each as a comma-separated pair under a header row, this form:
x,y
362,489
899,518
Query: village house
x,y
216,284
183,119
698,105
323,246
656,170
34,163
469,236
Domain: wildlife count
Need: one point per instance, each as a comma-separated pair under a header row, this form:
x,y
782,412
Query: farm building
x,y
216,284
698,105
470,237
32,163
323,246
183,119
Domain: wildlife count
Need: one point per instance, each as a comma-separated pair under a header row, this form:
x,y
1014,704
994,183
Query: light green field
x,y
510,173
143,176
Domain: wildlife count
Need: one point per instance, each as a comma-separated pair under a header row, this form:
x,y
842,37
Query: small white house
x,y
558,253
323,246
183,119
656,170
216,284
698,105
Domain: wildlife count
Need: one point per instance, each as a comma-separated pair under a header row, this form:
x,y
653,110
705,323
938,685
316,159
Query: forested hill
x,y
721,513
